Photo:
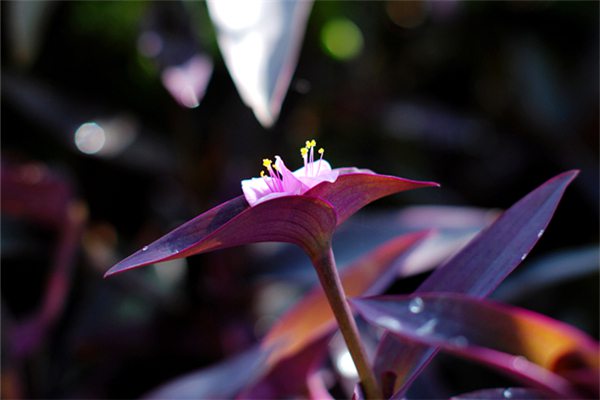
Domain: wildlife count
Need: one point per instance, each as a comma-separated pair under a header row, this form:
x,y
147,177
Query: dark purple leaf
x,y
222,381
307,220
357,394
504,394
476,270
317,388
33,192
295,219
352,191
289,377
312,317
524,344
483,264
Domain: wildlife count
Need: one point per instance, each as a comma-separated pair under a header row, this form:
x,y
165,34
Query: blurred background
x,y
121,121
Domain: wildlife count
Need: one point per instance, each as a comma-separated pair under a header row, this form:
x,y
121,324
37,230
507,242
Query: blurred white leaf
x,y
26,22
260,41
187,82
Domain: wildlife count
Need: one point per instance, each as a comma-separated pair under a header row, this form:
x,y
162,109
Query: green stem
x,y
324,263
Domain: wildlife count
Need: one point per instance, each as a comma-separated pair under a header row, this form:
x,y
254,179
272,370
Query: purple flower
x,y
282,182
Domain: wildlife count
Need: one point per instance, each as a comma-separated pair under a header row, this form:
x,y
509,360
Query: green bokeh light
x,y
341,38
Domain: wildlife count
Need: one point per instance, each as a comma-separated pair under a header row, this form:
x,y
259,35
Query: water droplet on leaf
x,y
427,328
416,305
519,362
460,341
145,248
389,323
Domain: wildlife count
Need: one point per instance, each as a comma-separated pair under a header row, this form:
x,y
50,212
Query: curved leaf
x,y
312,317
352,191
307,220
477,270
527,345
300,220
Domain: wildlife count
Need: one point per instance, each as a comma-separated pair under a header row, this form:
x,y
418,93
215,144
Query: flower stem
x,y
324,263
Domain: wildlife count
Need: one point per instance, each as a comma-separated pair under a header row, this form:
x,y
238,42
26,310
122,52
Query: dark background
x,y
488,98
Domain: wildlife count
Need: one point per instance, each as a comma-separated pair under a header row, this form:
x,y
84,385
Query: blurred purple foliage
x,y
99,157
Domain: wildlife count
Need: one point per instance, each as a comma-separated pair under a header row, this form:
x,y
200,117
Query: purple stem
x,y
324,263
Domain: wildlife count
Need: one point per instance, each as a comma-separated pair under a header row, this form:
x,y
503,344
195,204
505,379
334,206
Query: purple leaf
x,y
307,220
223,381
317,388
524,344
289,377
352,191
483,264
312,318
476,270
307,327
35,193
504,394
357,394
295,219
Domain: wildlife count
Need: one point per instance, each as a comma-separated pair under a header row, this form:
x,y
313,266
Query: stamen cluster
x,y
308,155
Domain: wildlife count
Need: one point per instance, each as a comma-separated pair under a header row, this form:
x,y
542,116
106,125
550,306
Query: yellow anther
x,y
304,151
262,174
321,151
275,167
267,163
310,144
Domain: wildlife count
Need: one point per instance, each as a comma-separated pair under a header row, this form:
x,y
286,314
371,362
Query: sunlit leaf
x,y
476,270
260,41
527,346
312,317
306,220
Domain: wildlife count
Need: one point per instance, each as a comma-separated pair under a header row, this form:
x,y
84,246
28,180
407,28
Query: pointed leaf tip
x,y
352,191
305,221
260,42
478,269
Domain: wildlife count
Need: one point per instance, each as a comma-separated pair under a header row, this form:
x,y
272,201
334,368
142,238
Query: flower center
x,y
274,177
308,155
276,181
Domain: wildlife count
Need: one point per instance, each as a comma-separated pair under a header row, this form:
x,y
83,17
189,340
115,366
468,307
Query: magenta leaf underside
x,y
289,377
352,191
476,270
486,332
307,220
300,220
